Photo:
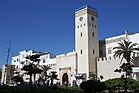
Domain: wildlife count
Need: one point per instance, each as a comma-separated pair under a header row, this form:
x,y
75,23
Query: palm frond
x,y
125,49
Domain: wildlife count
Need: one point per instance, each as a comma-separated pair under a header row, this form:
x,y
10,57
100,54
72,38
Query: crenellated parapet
x,y
109,58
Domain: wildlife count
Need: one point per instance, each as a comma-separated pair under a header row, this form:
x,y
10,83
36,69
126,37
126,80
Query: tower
x,y
86,35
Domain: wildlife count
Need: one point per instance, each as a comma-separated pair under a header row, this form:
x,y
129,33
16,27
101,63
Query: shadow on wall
x,y
102,48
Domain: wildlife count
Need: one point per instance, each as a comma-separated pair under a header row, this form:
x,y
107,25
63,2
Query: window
x,y
92,34
77,26
110,58
81,52
84,24
95,26
92,25
17,59
92,18
43,61
81,25
93,51
109,51
81,34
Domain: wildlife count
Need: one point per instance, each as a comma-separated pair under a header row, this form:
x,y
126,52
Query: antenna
x,y
5,71
9,49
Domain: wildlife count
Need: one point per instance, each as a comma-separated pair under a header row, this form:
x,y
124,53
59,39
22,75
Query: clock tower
x,y
86,36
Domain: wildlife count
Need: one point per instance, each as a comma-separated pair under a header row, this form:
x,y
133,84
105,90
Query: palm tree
x,y
32,69
29,71
45,76
125,49
53,76
34,58
36,70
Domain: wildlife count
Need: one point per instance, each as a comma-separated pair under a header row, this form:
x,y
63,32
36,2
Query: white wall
x,y
66,63
107,66
113,41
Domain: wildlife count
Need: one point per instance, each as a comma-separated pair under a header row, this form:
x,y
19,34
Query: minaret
x,y
86,35
126,35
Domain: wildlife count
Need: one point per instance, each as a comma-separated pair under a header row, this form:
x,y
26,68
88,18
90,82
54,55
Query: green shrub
x,y
117,84
90,86
43,89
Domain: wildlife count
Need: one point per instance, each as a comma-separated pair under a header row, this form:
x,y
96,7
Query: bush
x,y
90,86
43,89
117,84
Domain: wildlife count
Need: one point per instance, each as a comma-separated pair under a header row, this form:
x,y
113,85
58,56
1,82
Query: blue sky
x,y
48,25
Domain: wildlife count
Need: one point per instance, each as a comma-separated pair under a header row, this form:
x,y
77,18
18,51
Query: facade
x,y
90,56
107,44
7,74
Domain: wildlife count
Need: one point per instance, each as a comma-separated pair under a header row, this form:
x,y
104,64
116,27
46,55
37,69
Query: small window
x,y
81,52
81,25
77,26
93,51
81,34
95,26
110,58
92,25
92,18
92,34
84,24
109,51
43,61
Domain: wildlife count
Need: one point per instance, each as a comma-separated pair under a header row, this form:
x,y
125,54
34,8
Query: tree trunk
x,y
51,81
126,86
30,80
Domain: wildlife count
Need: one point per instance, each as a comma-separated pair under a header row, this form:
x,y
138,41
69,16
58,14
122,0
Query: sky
x,y
48,25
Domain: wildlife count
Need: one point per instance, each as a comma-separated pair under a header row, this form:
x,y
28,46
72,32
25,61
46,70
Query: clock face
x,y
92,18
81,18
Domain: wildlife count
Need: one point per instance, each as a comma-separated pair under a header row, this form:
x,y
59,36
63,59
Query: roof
x,y
85,6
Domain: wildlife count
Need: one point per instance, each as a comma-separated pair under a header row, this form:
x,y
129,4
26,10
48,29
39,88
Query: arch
x,y
65,80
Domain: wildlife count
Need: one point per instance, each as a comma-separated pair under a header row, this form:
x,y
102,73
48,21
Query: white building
x,y
106,64
90,55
